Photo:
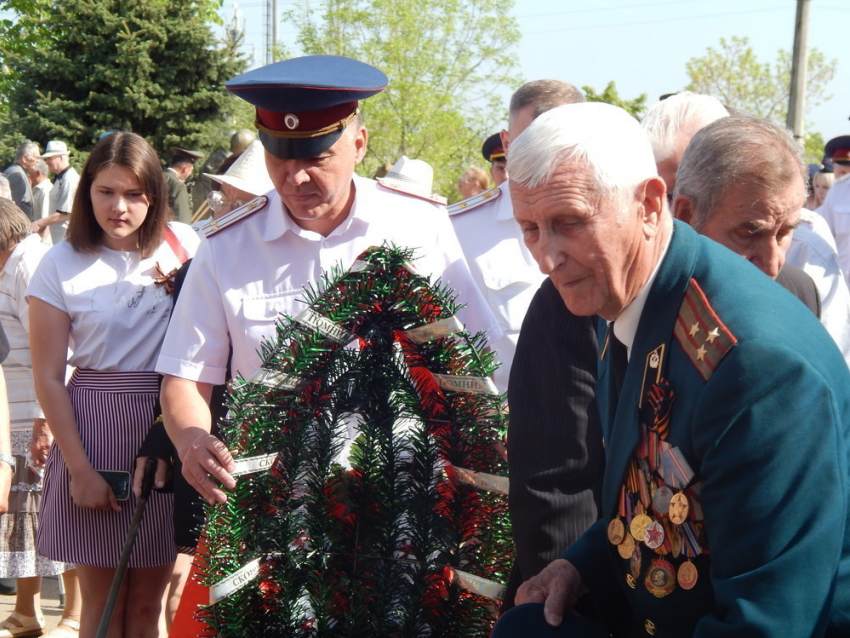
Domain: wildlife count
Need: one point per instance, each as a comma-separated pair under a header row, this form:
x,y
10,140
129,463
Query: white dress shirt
x,y
503,268
813,251
246,274
836,211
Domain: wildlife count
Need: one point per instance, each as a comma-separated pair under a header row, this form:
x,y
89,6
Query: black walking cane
x,y
121,570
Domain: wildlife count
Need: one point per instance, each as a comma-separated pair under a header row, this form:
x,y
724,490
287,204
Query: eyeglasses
x,y
216,201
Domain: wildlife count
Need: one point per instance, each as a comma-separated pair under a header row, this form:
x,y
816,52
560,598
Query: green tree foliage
x,y
813,148
610,95
75,68
734,75
445,60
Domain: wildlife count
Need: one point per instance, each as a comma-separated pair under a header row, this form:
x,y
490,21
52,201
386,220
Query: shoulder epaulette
x,y
434,198
237,214
701,333
470,203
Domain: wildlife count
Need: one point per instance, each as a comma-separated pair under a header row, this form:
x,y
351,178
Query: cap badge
x,y
291,121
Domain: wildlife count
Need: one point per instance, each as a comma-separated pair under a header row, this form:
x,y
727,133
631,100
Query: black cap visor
x,y
298,148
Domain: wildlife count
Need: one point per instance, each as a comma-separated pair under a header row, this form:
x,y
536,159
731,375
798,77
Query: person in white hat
x,y
62,193
413,177
246,179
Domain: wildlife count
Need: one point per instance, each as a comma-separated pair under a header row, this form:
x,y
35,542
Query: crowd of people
x,y
678,447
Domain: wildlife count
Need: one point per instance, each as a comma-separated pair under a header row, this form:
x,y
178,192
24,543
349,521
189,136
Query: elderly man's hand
x,y
558,587
207,460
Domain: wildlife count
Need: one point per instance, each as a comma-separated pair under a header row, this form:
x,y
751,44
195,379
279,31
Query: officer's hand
x,y
163,469
558,587
206,463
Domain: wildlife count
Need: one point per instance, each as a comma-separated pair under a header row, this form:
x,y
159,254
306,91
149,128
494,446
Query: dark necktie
x,y
618,354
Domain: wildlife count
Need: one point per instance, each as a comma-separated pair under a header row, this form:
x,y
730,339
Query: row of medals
x,y
662,576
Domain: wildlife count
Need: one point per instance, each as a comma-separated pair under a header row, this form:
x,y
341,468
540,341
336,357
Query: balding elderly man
x,y
742,182
725,408
811,270
26,156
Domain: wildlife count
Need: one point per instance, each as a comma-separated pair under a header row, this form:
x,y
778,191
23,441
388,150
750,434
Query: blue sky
x,y
643,45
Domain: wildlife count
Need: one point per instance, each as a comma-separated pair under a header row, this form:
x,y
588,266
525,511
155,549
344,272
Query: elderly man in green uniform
x,y
725,408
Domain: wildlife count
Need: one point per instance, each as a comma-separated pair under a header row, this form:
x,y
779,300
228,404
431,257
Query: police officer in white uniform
x,y
491,239
256,260
836,207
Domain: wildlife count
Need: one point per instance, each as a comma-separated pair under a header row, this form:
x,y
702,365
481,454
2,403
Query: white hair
x,y
683,113
605,138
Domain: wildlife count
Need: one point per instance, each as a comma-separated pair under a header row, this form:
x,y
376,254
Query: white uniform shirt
x,y
836,211
62,199
118,313
503,269
248,273
14,316
813,250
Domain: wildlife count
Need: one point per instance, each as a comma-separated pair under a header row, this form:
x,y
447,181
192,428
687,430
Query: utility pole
x,y
271,30
799,66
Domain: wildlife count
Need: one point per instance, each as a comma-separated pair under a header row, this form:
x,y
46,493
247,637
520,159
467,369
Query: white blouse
x,y
118,312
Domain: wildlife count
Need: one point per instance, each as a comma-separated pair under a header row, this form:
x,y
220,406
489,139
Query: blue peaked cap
x,y
311,83
304,104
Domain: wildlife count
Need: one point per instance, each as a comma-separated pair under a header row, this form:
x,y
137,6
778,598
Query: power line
x,y
597,9
651,22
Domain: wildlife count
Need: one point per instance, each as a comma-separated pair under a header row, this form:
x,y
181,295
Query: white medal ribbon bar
x,y
489,482
480,586
362,266
324,326
277,380
474,385
253,464
436,330
409,267
236,581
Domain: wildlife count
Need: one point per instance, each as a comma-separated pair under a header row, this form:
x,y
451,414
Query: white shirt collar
x,y
279,224
505,211
626,325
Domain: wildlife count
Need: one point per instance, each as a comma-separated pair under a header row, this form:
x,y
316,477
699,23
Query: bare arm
x,y
50,330
5,447
186,411
54,218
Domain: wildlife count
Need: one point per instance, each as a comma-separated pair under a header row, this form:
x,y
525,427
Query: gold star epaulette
x,y
237,214
471,203
700,332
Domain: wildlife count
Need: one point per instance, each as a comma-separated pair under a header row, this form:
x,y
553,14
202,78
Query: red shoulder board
x,y
238,214
700,332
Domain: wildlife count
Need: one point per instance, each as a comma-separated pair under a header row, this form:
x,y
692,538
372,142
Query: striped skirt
x,y
114,411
